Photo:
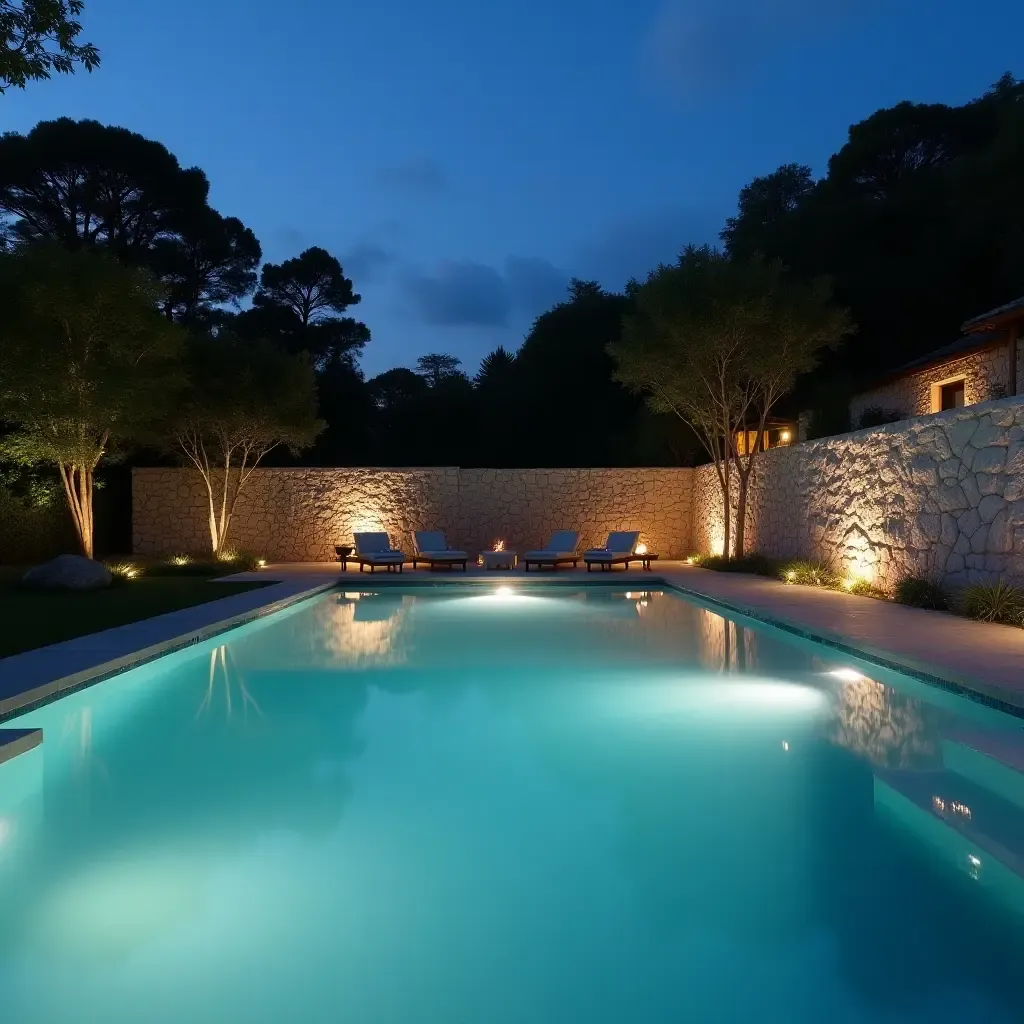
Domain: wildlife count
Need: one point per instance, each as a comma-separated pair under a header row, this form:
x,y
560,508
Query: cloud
x,y
419,176
702,43
634,245
363,262
460,293
534,284
468,293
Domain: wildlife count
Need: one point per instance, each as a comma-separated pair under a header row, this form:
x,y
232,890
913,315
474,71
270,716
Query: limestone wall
x,y
940,494
984,373
300,514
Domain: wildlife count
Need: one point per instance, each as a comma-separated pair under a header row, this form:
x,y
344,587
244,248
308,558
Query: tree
x,y
717,342
437,367
244,400
87,364
211,260
84,184
301,300
919,223
312,285
38,37
570,411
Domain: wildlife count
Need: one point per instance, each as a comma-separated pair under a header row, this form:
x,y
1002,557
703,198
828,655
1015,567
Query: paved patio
x,y
979,657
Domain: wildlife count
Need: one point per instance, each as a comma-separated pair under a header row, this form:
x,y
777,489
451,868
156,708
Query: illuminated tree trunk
x,y
78,488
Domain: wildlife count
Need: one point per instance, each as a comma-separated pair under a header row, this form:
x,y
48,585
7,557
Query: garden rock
x,y
68,572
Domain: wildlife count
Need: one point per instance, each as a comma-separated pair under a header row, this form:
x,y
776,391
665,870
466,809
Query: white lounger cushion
x,y
565,541
442,556
429,541
382,557
371,543
619,545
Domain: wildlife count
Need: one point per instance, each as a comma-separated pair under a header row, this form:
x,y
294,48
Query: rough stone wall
x,y
912,395
941,495
300,514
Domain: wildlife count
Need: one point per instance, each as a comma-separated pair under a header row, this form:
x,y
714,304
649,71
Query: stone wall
x,y
940,495
986,375
300,514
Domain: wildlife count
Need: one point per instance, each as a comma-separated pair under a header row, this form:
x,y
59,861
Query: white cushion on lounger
x,y
382,557
442,556
619,545
566,541
371,543
429,541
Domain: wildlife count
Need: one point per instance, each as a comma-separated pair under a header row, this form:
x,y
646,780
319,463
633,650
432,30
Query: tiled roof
x,y
992,314
968,343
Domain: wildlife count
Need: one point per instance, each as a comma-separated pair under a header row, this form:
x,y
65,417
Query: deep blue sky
x,y
465,158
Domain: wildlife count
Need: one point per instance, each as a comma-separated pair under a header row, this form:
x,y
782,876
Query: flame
x,y
641,549
499,545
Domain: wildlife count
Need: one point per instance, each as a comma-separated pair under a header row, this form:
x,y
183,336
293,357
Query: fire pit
x,y
498,557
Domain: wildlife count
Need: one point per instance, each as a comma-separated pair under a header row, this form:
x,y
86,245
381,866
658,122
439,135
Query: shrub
x,y
995,602
811,574
756,563
862,588
875,416
920,592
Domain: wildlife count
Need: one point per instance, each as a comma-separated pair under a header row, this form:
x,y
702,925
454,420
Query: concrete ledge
x,y
39,676
18,741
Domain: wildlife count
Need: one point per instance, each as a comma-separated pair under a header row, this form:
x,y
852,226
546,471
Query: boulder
x,y
68,572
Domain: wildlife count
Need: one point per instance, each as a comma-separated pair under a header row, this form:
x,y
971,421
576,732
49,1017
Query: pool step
x,y
18,741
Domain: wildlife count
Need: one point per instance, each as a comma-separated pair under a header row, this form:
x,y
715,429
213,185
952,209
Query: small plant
x,y
862,588
811,574
920,592
124,570
694,559
995,602
242,561
178,561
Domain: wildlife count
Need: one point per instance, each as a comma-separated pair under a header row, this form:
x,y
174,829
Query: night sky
x,y
466,159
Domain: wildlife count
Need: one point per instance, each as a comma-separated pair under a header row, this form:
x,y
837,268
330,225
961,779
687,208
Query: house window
x,y
951,395
948,394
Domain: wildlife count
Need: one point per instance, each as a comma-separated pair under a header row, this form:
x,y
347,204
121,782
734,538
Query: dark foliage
x,y
920,592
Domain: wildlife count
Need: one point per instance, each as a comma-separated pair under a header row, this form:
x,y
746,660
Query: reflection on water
x,y
886,728
602,805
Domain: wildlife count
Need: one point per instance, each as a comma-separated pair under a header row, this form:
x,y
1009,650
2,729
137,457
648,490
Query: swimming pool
x,y
464,803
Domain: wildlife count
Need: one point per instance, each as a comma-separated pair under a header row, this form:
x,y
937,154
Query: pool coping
x,y
18,702
969,687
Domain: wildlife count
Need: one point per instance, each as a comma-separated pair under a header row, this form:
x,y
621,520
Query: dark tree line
x,y
919,222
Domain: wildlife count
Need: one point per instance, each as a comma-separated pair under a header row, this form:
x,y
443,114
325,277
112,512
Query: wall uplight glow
x,y
848,675
641,549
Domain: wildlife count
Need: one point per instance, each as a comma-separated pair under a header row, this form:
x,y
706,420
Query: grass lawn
x,y
33,618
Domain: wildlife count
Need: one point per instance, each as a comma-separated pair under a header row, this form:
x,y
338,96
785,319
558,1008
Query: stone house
x,y
985,363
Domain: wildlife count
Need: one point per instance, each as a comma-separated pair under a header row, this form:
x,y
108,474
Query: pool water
x,y
473,804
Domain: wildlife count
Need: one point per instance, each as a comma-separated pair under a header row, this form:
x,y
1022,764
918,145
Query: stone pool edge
x,y
19,702
970,687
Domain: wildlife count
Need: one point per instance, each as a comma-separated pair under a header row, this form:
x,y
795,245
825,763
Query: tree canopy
x,y
244,400
39,38
717,342
87,364
919,221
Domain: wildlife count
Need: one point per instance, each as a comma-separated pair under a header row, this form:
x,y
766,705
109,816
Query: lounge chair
x,y
562,548
374,550
431,548
620,549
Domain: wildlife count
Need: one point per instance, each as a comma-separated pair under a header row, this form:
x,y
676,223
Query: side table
x,y
498,559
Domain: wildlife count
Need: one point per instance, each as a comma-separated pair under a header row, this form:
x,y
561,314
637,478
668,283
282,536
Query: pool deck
x,y
979,658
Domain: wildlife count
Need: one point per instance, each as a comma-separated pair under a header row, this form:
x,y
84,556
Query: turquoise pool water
x,y
452,804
